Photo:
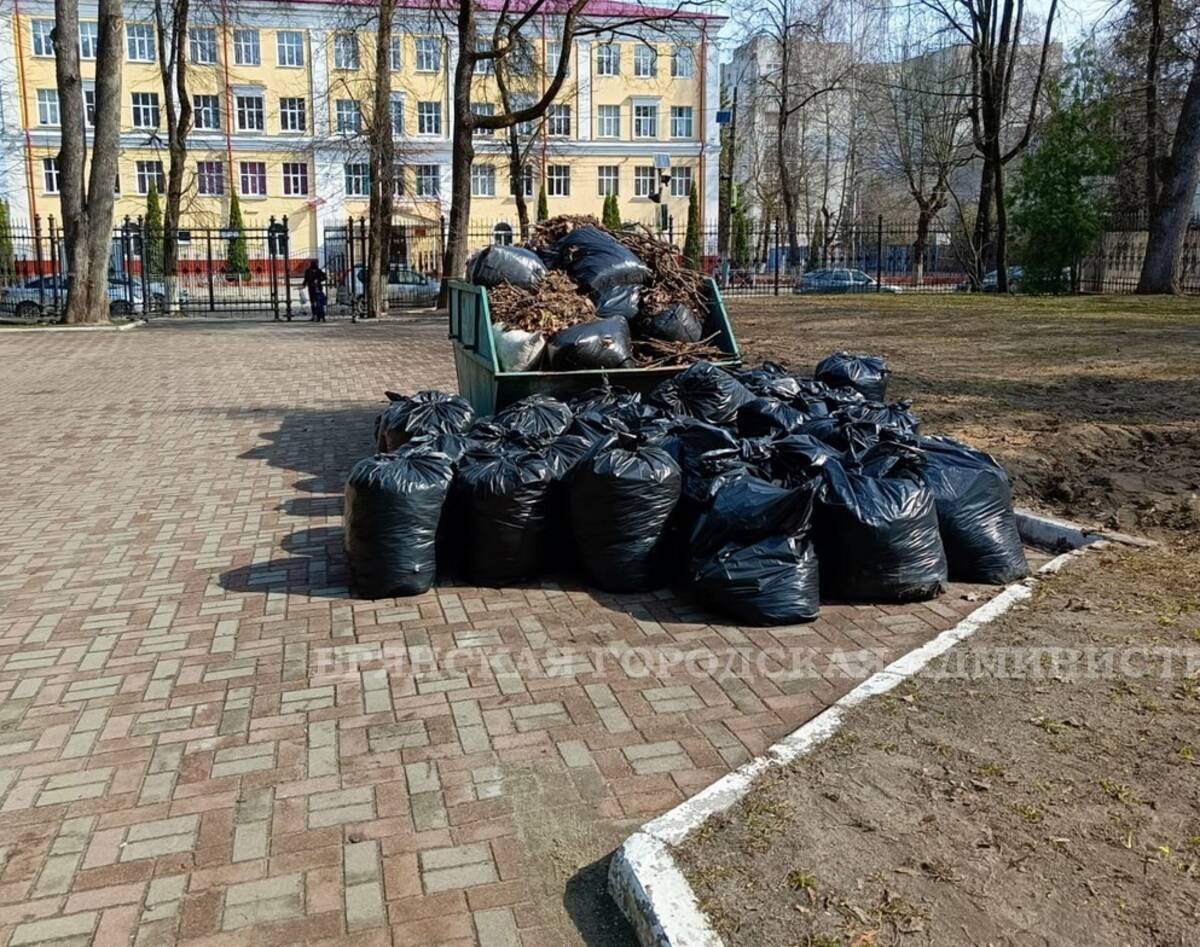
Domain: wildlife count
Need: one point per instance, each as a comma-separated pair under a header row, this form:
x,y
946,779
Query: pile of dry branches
x,y
550,231
554,305
658,353
670,282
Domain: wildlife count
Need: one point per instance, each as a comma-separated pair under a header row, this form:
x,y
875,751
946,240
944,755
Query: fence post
x,y
127,261
879,257
270,234
212,293
442,248
775,251
287,283
54,260
351,278
37,255
145,266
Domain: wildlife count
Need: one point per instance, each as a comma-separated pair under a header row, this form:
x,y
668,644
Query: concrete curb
x,y
643,877
88,328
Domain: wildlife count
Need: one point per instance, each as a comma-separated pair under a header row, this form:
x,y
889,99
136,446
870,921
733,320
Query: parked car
x,y
37,295
405,287
839,280
992,278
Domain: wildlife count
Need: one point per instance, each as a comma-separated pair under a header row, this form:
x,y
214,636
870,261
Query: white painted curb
x,y
83,328
643,877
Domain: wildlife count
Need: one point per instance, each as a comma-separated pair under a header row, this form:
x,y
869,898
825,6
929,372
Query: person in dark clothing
x,y
314,284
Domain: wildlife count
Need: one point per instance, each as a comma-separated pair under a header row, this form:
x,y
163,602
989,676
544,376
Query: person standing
x,y
314,284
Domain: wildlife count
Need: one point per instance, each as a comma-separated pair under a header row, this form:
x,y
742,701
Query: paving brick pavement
x,y
205,739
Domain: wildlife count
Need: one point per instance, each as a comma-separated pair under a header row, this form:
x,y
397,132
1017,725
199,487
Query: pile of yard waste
x,y
581,297
761,490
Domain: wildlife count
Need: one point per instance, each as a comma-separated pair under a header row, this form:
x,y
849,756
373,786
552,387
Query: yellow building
x,y
282,93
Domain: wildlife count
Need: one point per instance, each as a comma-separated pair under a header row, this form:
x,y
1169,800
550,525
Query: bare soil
x,y
1091,403
1057,808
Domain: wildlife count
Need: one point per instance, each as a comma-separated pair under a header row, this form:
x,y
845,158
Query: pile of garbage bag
x,y
762,492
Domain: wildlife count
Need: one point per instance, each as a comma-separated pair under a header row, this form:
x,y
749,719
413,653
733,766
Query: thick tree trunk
x,y
1152,70
88,206
173,70
515,168
1001,227
383,168
983,224
787,191
1169,222
462,153
919,245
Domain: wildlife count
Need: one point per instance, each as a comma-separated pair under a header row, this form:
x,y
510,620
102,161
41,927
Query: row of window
x,y
250,115
646,180
140,46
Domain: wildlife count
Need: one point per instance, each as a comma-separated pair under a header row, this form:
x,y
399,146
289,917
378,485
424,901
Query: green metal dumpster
x,y
482,383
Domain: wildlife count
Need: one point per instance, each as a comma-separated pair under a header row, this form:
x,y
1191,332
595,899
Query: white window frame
x,y
289,49
294,177
602,119
89,103
147,107
358,172
198,110
679,56
553,55
247,47
48,108
50,179
483,180
347,54
140,44
425,176
398,181
528,180
426,116
645,61
145,172
244,175
608,180
41,43
396,111
558,120
429,54
484,108
202,40
396,53
484,67
679,115
89,39
558,180
644,184
608,59
244,111
678,176
639,122
348,117
293,114
208,172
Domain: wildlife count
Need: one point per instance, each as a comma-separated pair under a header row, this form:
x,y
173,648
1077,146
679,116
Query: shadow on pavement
x,y
595,914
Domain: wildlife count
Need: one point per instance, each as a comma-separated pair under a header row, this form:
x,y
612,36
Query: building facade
x,y
281,94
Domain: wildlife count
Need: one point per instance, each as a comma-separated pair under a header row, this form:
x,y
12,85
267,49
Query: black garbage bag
x,y
702,451
504,497
621,500
426,412
877,538
794,459
676,323
595,425
392,509
866,374
452,444
850,437
599,343
766,416
752,555
598,261
495,265
623,301
535,415
702,391
895,416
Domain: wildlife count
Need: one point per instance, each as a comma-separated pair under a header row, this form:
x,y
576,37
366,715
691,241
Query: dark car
x,y
839,280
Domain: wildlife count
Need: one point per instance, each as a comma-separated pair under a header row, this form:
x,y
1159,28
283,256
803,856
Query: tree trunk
x,y
1001,227
1152,54
983,224
462,153
515,167
87,207
382,168
172,53
919,245
1169,221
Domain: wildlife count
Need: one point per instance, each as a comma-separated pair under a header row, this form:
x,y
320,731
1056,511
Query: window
x,y
206,112
558,121
429,118
89,40
429,54
47,100
398,114
609,121
484,67
645,180
345,51
429,180
50,175
526,182
681,121
145,110
289,48
349,115
148,173
608,60
681,182
398,181
246,51
295,178
608,180
396,53
358,179
645,121
254,178
558,180
139,42
682,63
483,180
645,61
292,117
502,234
202,46
484,108
43,45
210,178
249,112
553,55
89,104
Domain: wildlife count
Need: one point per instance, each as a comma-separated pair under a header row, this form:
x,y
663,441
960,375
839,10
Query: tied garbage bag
x,y
877,538
866,374
623,301
676,323
895,416
601,343
796,458
425,413
504,499
752,557
516,349
702,391
765,416
537,415
598,261
392,509
621,499
495,265
846,435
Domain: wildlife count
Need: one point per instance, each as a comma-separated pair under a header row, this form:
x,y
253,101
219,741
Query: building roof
x,y
685,10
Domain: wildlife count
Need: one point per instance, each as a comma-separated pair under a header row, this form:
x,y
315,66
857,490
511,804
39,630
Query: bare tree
x,y
171,26
382,165
87,194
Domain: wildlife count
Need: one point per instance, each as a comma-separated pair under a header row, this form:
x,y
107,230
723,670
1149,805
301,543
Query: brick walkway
x,y
204,739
